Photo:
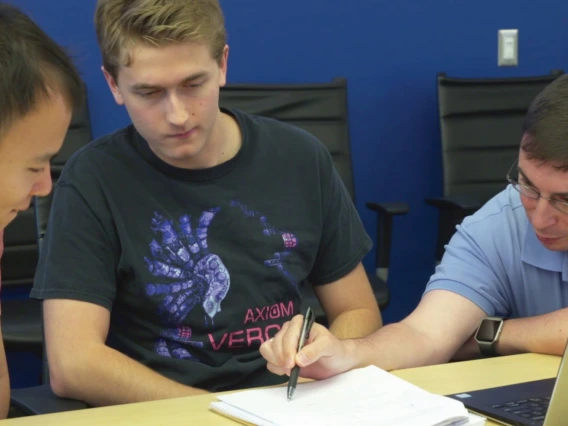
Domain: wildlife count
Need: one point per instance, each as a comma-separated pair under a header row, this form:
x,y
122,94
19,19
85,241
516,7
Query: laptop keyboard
x,y
532,408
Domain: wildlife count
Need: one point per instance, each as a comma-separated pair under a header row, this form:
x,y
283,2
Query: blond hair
x,y
121,24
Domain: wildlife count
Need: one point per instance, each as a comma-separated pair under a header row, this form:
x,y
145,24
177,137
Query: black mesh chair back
x,y
481,129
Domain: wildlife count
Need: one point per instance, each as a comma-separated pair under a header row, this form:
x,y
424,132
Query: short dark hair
x,y
32,66
545,129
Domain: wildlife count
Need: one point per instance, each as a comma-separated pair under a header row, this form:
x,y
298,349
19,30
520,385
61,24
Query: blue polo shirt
x,y
495,260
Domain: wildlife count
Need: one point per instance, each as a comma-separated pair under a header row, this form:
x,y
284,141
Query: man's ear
x,y
223,67
113,86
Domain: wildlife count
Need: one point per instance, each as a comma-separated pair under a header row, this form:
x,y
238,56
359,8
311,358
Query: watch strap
x,y
487,349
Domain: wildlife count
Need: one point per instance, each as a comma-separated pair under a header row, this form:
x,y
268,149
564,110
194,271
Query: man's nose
x,y
176,112
544,214
44,184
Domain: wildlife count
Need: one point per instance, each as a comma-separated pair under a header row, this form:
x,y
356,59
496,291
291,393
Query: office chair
x,y
321,109
21,318
41,399
481,129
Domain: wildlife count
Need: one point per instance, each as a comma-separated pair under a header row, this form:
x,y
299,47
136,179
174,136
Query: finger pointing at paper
x,y
322,356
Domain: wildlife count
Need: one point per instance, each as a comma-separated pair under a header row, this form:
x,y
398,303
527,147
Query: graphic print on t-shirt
x,y
289,241
189,274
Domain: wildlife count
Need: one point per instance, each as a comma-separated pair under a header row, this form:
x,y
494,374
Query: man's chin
x,y
186,157
6,217
555,244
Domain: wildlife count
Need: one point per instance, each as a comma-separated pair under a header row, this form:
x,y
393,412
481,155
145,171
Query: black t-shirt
x,y
199,267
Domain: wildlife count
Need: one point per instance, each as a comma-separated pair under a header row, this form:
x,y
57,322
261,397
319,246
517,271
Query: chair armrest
x,y
388,209
42,400
385,213
452,211
466,204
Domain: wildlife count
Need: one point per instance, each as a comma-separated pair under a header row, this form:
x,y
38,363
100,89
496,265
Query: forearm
x,y
545,334
396,346
468,351
102,376
356,323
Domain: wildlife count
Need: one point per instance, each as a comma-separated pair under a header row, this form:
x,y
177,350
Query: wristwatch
x,y
487,335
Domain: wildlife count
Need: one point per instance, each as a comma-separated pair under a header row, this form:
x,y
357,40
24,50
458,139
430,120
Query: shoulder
x,y
496,232
92,157
483,253
500,215
283,137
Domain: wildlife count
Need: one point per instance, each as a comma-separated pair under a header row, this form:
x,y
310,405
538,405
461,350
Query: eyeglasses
x,y
532,193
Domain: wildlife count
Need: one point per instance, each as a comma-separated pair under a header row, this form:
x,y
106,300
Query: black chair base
x,y
381,290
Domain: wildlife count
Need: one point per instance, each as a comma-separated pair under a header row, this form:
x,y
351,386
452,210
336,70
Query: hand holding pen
x,y
320,356
309,319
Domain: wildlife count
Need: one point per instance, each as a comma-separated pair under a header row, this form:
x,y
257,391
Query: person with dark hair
x,y
39,87
502,285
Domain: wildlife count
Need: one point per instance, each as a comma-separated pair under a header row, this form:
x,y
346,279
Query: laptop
x,y
541,402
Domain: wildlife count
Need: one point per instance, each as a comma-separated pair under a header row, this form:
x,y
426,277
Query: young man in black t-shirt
x,y
176,246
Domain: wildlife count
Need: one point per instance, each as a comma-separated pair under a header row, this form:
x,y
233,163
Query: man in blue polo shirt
x,y
502,285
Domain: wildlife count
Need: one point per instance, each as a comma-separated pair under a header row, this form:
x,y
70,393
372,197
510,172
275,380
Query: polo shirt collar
x,y
535,254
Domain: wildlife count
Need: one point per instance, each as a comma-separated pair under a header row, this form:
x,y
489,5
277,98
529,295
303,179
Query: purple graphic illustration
x,y
189,275
289,241
198,277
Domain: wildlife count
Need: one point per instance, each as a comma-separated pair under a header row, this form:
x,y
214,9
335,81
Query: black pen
x,y
306,327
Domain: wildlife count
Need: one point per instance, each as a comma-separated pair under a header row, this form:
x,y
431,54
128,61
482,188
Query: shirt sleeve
x,y
79,254
470,268
344,241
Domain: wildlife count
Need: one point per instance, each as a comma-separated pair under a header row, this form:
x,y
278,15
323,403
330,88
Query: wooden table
x,y
441,379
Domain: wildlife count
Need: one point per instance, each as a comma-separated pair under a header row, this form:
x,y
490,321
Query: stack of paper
x,y
366,396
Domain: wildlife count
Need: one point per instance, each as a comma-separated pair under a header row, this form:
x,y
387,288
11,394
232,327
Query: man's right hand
x,y
323,355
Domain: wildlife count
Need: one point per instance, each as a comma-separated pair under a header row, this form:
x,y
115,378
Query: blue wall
x,y
390,52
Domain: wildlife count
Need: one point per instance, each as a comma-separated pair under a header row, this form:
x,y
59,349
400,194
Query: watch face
x,y
488,330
